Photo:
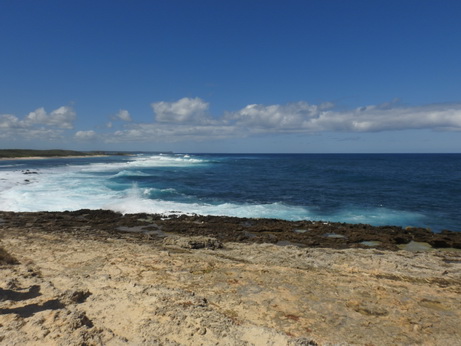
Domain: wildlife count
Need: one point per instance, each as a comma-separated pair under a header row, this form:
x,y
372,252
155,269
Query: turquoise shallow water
x,y
421,190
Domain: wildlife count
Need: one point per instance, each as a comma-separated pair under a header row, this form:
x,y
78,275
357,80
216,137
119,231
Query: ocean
x,y
419,190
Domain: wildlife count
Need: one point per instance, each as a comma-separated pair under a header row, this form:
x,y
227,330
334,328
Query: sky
x,y
259,76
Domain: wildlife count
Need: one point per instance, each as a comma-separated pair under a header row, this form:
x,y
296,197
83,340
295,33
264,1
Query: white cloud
x,y
185,110
377,118
291,116
8,121
62,118
171,133
37,124
22,134
124,115
302,117
85,135
186,119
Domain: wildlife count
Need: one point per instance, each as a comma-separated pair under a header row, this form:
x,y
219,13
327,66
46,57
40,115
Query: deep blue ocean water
x,y
422,190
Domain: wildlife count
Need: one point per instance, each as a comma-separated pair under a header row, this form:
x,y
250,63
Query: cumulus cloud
x,y
169,133
187,119
37,124
62,118
282,117
303,117
377,119
9,121
185,110
123,114
85,135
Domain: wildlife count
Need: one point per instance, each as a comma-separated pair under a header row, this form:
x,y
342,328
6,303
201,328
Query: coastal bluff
x,y
95,277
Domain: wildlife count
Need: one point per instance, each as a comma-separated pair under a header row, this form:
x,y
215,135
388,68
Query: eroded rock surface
x,y
105,223
77,279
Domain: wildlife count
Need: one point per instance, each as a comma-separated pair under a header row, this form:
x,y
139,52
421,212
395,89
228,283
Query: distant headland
x,y
32,153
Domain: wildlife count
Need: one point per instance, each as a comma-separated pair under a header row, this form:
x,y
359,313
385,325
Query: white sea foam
x,y
76,187
54,190
144,162
65,189
135,201
375,216
128,173
11,165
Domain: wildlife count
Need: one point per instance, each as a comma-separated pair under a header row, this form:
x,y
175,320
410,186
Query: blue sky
x,y
231,76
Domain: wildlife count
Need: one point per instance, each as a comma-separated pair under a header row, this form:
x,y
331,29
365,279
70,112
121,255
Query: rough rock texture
x,y
80,279
193,242
105,223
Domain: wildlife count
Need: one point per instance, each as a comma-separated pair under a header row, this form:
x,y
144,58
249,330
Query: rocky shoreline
x,y
106,223
95,277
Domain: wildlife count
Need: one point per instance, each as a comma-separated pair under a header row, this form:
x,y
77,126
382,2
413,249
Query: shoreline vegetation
x,y
97,277
14,154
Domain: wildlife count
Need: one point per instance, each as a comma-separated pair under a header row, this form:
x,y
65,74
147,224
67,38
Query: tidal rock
x,y
193,242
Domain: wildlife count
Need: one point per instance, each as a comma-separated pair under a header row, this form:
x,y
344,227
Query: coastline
x,y
101,278
48,157
350,201
34,154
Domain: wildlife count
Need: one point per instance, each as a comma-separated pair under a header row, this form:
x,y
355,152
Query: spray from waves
x,y
73,191
73,187
55,190
137,201
143,161
11,165
97,186
128,173
71,194
92,193
375,216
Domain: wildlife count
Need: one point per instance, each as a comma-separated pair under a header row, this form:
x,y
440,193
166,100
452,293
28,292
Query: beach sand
x,y
75,283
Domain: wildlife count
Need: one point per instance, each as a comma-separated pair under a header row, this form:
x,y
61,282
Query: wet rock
x,y
440,243
193,242
105,224
27,171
